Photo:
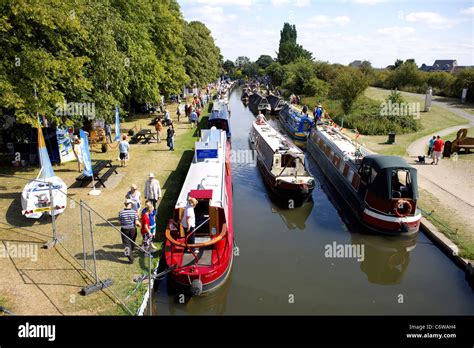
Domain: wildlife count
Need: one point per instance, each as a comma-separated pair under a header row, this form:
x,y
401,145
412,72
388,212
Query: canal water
x,y
283,265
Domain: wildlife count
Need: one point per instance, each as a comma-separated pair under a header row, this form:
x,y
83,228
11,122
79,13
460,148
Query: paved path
x,y
451,181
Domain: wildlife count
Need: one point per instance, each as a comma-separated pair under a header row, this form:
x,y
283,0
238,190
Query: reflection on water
x,y
294,218
385,259
274,263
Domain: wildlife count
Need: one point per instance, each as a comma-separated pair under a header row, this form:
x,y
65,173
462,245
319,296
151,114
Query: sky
x,y
341,31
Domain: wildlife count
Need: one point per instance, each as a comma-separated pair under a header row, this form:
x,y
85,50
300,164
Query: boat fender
x,y
196,287
402,207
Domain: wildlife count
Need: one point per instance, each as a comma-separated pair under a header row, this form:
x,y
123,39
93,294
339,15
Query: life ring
x,y
402,207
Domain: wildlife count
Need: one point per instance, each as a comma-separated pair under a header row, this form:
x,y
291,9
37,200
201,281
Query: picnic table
x,y
145,134
96,169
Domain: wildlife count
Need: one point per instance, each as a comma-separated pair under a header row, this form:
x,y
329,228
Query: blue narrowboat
x,y
220,116
297,125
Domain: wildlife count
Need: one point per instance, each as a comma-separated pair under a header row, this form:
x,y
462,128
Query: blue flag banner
x,y
86,154
117,124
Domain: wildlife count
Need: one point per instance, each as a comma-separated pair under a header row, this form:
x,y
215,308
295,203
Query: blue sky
x,y
340,31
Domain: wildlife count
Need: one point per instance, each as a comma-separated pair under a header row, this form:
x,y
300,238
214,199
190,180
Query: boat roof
x,y
207,168
275,139
220,110
342,142
380,162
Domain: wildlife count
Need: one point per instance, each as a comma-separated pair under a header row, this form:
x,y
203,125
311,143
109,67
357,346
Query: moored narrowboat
x,y
220,116
258,103
380,190
282,165
205,265
296,124
276,103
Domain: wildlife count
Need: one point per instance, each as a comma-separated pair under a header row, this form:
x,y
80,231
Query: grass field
x,y
53,282
436,119
448,222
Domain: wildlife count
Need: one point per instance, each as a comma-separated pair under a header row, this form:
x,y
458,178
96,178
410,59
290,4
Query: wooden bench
x,y
462,141
145,134
96,169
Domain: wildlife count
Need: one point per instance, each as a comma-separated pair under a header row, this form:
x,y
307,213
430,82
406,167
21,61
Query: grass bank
x,y
448,222
51,285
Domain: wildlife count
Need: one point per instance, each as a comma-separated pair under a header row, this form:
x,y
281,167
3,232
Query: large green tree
x,y
289,50
203,58
348,86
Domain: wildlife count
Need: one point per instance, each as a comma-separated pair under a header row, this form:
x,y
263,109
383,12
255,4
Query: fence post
x,y
52,243
149,283
82,231
93,248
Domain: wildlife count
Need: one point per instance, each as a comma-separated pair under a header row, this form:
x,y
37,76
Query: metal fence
x,y
99,278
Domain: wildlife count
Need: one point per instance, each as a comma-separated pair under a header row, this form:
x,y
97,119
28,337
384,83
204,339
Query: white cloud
x,y
432,19
280,3
243,3
369,2
302,3
469,10
396,31
321,21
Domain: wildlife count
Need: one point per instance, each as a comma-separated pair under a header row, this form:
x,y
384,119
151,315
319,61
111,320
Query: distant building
x,y
440,65
356,64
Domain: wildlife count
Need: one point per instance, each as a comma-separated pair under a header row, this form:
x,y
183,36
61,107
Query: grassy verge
x,y
448,222
53,289
435,120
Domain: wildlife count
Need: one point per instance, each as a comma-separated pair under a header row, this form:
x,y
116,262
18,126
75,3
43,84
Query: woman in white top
x,y
189,221
135,196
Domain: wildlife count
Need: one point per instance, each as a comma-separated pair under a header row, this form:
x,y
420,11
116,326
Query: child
x,y
146,232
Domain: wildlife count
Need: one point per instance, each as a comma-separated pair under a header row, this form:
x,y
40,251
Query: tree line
x,y
341,88
103,52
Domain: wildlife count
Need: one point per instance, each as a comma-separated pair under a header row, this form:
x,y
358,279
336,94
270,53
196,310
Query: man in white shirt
x,y
152,190
189,221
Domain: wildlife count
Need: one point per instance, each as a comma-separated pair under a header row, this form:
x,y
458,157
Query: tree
x,y
347,87
201,48
289,50
241,61
264,61
228,66
276,72
397,63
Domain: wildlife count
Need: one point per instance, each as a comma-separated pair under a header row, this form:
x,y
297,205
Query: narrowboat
x,y
282,165
258,102
209,180
297,125
276,103
220,116
381,190
245,95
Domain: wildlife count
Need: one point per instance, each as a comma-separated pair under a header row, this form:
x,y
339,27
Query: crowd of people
x,y
435,149
133,218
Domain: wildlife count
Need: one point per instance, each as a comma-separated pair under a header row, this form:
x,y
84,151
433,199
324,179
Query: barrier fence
x,y
95,276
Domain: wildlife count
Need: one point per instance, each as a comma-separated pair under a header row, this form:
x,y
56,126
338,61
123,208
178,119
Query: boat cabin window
x,y
288,161
364,172
401,184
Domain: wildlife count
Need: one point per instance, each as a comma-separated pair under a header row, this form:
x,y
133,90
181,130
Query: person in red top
x,y
146,231
437,149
